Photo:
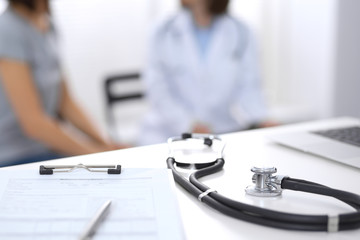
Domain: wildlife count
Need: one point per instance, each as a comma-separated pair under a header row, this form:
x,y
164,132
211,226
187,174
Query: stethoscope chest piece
x,y
265,185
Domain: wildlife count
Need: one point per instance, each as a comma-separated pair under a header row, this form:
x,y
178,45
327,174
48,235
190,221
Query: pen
x,y
90,229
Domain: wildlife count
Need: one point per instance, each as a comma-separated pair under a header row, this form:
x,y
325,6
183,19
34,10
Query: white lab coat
x,y
221,90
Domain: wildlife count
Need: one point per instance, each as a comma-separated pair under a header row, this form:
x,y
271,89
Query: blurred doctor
x,y
202,74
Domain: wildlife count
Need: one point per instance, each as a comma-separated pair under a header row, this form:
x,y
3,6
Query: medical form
x,y
58,206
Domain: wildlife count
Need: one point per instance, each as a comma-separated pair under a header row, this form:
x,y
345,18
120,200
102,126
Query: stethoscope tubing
x,y
267,217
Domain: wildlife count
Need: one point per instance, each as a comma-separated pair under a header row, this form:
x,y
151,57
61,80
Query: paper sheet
x,y
59,206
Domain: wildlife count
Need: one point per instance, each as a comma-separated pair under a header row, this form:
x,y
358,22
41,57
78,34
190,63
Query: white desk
x,y
243,151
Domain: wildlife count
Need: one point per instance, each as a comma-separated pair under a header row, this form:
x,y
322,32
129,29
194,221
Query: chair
x,y
125,106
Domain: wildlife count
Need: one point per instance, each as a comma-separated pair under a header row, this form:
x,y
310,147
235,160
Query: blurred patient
x,y
34,98
202,74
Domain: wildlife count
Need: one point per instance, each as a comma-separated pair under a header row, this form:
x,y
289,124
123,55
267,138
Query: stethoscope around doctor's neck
x,y
265,185
241,41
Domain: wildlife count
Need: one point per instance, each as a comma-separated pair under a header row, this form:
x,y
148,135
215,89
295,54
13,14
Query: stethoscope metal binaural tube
x,y
206,139
269,217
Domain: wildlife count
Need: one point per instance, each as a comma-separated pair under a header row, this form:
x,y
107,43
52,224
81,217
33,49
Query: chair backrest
x,y
125,106
113,97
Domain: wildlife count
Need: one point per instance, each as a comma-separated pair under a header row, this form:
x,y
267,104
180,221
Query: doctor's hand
x,y
201,128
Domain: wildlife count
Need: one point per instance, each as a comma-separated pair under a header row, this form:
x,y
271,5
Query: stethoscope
x,y
265,185
241,41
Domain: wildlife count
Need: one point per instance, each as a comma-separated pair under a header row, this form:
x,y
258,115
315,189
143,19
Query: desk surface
x,y
243,151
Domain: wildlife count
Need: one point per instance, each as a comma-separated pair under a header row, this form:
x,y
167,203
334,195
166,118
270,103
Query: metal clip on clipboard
x,y
50,169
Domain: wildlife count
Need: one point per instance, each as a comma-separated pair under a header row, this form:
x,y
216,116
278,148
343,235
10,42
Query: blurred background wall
x,y
309,50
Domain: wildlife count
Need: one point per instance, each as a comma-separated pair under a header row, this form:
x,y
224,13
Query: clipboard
x,y
143,201
50,169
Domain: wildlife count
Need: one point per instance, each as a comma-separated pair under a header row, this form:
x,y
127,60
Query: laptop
x,y
341,144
